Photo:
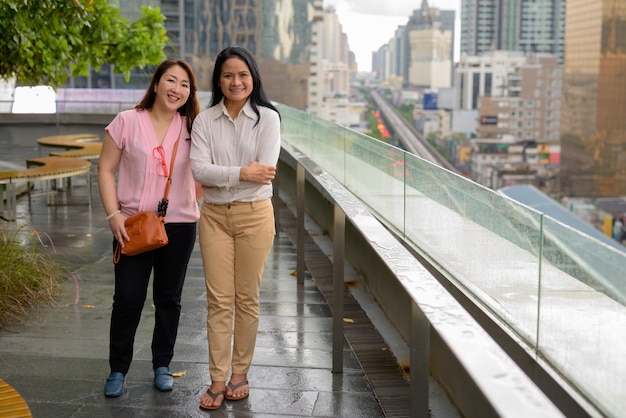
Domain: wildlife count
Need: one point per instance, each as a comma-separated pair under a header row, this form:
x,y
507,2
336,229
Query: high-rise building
x,y
390,60
428,18
593,124
485,75
513,25
430,64
406,55
530,110
329,79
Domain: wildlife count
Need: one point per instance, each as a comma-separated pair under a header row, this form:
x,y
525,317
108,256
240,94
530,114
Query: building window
x,y
488,84
475,89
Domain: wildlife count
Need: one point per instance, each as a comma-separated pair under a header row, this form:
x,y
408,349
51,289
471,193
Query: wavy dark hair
x,y
191,108
258,96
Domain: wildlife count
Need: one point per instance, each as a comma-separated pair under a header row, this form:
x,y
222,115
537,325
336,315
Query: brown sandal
x,y
233,388
213,396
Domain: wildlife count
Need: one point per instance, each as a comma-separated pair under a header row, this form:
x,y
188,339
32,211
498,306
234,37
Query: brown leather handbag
x,y
147,229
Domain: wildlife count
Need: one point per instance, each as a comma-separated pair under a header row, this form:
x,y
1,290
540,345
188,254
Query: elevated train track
x,y
409,137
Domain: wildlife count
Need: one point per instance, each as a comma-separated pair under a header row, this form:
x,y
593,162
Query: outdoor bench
x,y
75,145
41,169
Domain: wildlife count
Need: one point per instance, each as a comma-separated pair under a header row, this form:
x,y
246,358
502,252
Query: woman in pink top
x,y
138,146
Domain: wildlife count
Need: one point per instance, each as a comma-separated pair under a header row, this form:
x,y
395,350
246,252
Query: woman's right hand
x,y
116,223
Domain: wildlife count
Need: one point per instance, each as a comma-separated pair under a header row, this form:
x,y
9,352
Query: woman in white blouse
x,y
234,152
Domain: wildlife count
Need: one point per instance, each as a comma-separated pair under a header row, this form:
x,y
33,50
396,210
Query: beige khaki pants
x,y
235,241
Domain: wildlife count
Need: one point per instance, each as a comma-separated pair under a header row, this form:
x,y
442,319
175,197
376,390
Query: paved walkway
x,y
57,360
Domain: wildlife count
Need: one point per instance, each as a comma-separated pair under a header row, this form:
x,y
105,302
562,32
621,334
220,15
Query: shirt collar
x,y
246,110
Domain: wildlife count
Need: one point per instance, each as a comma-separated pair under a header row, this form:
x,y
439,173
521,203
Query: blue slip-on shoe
x,y
163,379
114,386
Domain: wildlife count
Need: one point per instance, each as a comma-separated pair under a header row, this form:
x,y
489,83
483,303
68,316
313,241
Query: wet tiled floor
x,y
57,359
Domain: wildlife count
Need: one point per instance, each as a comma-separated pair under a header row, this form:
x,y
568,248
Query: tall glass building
x,y
512,25
593,121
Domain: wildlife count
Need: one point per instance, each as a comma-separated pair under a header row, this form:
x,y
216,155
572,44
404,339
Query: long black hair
x,y
257,97
191,108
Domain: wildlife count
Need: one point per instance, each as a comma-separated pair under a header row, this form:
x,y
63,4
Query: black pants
x,y
132,275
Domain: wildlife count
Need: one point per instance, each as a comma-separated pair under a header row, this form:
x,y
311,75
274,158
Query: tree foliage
x,y
46,41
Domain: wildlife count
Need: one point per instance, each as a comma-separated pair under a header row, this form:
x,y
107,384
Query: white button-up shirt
x,y
222,146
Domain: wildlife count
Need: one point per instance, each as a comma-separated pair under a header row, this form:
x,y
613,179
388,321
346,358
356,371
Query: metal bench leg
x,y
11,195
4,195
29,186
89,187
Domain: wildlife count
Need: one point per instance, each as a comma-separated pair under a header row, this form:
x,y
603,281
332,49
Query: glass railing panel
x,y
329,148
375,172
582,314
483,241
296,129
586,259
320,140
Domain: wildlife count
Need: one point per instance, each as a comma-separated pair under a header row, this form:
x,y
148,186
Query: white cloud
x,y
380,8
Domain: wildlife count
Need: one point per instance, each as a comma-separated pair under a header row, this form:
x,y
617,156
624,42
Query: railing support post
x,y
276,203
420,362
339,237
300,179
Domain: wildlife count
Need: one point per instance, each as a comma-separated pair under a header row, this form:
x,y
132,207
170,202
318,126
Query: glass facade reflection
x,y
593,134
278,32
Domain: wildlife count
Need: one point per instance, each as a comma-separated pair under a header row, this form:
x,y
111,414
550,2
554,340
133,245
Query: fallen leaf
x,y
176,375
293,273
88,306
348,320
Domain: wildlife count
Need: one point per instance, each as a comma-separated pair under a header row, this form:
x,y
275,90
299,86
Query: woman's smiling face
x,y
173,88
236,80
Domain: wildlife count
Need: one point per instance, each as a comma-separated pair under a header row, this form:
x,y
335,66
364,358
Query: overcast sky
x,y
370,24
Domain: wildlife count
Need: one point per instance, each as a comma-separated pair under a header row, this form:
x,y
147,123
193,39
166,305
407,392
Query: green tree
x,y
46,41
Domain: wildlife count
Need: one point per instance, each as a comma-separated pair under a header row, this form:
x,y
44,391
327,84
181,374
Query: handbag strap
x,y
169,177
162,207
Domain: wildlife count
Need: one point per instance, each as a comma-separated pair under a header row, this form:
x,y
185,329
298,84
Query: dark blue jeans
x,y
132,275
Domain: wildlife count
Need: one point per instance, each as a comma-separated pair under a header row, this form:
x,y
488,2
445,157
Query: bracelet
x,y
113,214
